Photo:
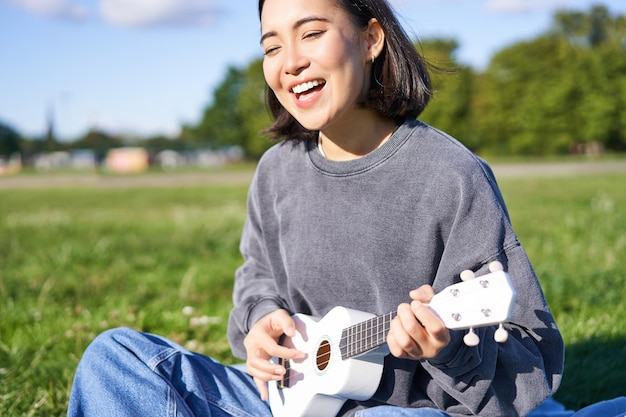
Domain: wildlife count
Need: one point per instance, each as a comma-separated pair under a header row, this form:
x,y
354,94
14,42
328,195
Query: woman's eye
x,y
271,50
313,35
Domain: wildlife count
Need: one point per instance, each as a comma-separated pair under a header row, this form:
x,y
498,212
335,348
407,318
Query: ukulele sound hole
x,y
323,355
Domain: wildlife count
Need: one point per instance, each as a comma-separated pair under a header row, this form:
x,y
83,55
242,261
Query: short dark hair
x,y
400,84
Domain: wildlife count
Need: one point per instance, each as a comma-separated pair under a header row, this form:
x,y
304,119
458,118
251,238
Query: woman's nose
x,y
295,61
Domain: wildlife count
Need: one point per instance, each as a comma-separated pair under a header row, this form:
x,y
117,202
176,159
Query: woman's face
x,y
316,61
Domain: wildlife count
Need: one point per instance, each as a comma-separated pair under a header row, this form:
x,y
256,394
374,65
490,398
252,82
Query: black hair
x,y
400,84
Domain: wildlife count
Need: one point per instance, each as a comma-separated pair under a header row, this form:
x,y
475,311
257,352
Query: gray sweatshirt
x,y
363,233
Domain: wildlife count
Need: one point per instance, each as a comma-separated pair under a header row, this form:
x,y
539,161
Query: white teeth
x,y
299,89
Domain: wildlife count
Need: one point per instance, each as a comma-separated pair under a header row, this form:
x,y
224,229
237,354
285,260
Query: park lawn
x,y
77,261
574,230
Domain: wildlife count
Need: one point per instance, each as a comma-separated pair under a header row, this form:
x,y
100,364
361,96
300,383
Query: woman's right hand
x,y
261,345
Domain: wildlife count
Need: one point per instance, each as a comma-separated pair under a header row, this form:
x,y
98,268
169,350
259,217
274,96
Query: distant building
x,y
127,160
11,165
84,159
169,160
52,160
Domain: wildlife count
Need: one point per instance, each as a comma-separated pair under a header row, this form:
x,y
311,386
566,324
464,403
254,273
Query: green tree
x,y
453,83
606,106
9,141
159,143
221,122
254,113
237,113
563,88
531,98
99,142
602,73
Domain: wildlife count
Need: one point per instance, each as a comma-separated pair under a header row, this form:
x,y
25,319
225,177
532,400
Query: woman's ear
x,y
375,37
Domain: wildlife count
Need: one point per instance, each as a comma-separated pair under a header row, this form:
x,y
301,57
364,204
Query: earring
x,y
373,58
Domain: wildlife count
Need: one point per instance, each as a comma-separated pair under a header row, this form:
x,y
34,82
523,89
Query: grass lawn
x,y
574,230
77,261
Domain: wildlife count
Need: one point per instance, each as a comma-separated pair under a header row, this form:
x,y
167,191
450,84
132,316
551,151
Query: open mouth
x,y
307,87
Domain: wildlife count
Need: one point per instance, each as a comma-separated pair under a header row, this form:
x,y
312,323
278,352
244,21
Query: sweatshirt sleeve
x,y
254,294
510,378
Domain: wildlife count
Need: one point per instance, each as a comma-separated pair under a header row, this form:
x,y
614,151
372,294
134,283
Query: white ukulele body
x,y
320,384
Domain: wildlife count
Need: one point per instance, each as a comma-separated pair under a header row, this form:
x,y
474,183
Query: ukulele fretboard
x,y
365,336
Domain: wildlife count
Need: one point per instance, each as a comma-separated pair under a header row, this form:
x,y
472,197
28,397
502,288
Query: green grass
x,y
76,261
574,230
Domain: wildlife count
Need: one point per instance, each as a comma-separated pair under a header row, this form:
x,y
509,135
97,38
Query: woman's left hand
x,y
417,332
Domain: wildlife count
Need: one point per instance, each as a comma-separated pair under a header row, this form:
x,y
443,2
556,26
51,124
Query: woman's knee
x,y
112,339
121,345
123,351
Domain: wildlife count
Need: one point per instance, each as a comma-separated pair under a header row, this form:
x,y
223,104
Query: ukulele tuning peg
x,y
495,266
501,335
471,338
467,275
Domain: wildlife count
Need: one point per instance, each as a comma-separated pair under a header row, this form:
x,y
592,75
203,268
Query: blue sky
x,y
143,67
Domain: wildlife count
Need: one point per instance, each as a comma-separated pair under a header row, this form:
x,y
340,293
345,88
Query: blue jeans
x,y
127,373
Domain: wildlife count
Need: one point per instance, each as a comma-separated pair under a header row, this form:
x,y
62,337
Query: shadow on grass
x,y
595,370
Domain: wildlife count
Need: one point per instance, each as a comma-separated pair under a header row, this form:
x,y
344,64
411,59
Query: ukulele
x,y
346,348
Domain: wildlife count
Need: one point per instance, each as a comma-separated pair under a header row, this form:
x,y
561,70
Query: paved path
x,y
553,169
243,177
115,181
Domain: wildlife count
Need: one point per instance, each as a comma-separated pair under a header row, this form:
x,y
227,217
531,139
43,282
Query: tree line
x,y
562,92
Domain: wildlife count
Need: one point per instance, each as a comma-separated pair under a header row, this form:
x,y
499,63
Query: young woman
x,y
360,206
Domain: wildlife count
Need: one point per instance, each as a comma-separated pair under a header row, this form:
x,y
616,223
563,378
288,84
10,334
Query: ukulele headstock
x,y
476,302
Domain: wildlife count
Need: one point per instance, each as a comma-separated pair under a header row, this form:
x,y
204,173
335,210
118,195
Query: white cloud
x,y
516,6
159,12
62,9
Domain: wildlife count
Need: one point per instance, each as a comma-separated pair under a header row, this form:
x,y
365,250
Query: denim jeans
x,y
127,373
390,411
